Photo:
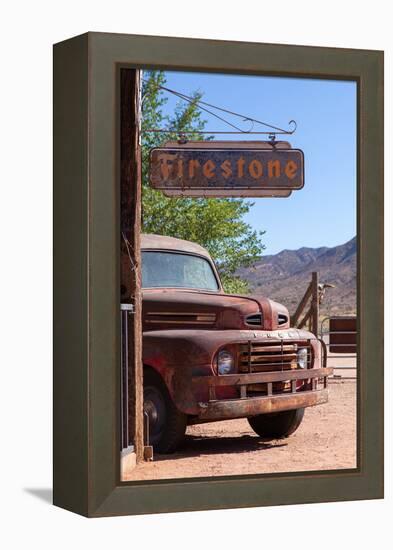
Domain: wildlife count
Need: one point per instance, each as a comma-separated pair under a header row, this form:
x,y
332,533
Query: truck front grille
x,y
271,356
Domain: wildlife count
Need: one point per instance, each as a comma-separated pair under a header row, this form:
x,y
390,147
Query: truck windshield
x,y
170,269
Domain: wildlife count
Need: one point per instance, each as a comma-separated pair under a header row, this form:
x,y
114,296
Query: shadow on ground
x,y
197,445
44,494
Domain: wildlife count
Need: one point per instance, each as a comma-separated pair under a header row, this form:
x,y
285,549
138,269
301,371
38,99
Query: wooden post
x,y
131,183
312,315
315,304
301,306
306,319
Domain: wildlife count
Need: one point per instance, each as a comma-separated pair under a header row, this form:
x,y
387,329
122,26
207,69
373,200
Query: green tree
x,y
216,224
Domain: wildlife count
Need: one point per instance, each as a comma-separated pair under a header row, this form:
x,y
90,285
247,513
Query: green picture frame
x,y
86,274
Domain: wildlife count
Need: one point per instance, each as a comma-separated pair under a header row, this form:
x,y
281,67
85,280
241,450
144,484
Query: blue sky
x,y
323,213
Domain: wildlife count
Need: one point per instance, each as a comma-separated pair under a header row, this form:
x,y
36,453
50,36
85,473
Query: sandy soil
x,y
325,440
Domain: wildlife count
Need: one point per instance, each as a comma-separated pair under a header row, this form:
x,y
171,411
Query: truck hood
x,y
173,308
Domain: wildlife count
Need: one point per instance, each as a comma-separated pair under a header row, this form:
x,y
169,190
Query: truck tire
x,y
167,425
276,425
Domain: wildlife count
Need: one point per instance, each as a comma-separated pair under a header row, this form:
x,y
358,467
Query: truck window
x,y
169,269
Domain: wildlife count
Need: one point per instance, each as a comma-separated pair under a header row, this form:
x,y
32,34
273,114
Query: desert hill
x,y
284,276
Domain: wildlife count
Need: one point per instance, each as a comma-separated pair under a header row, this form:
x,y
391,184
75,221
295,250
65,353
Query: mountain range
x,y
284,277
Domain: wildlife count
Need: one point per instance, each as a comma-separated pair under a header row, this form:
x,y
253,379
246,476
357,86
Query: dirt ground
x,y
325,440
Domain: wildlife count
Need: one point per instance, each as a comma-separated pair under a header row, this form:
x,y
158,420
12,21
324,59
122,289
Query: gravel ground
x,y
325,440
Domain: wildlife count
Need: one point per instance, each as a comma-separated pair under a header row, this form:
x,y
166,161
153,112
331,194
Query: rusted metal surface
x,y
185,358
239,408
262,377
162,308
226,169
161,242
184,330
342,334
267,356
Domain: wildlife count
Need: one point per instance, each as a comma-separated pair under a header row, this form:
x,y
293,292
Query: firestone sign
x,y
227,169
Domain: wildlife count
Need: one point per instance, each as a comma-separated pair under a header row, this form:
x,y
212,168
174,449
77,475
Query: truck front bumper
x,y
246,405
225,409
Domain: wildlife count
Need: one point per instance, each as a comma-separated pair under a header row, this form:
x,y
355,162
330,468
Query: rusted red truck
x,y
212,356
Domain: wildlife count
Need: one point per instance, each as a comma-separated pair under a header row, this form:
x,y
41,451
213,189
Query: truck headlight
x,y
302,355
225,362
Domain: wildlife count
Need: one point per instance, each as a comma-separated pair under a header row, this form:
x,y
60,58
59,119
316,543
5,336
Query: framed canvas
x,y
98,171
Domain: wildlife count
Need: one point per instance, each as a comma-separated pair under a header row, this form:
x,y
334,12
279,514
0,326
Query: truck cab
x,y
211,356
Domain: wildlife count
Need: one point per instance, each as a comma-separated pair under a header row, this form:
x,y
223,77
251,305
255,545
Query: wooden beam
x,y
130,211
301,306
306,318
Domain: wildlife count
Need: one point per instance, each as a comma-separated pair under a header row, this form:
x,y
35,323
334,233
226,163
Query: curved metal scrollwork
x,y
272,133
